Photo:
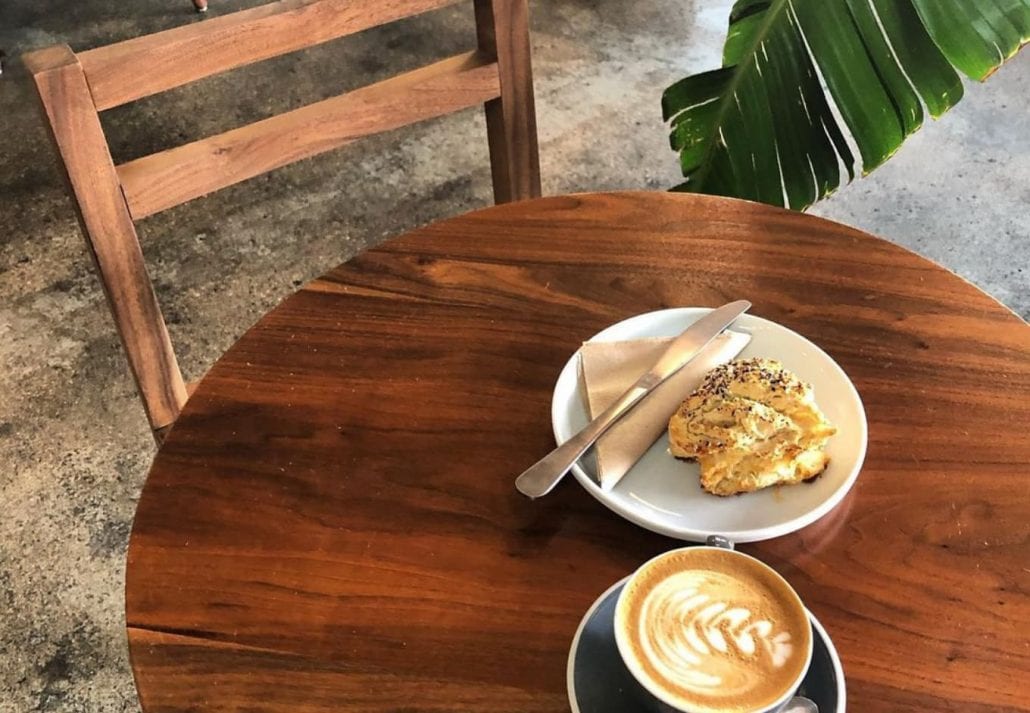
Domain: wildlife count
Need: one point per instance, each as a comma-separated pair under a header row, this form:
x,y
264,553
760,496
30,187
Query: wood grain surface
x,y
331,524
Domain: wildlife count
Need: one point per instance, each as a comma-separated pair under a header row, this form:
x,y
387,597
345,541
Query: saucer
x,y
664,494
598,682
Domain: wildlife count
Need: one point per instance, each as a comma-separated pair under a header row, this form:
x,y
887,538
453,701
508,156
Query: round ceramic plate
x,y
664,494
598,682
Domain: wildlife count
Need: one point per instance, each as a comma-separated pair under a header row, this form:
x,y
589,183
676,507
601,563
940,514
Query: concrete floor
x,y
74,448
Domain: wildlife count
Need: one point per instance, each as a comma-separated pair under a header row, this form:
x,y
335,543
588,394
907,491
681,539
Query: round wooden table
x,y
332,525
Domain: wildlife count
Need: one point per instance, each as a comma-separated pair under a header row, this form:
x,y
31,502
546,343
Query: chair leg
x,y
107,225
503,30
201,5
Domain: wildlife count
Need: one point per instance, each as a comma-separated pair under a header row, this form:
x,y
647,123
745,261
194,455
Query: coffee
x,y
709,630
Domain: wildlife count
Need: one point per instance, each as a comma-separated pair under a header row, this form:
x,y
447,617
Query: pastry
x,y
751,424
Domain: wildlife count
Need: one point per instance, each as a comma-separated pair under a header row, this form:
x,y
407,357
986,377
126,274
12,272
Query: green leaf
x,y
729,128
763,126
976,36
877,44
938,84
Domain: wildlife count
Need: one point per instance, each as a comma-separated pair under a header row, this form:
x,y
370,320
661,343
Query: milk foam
x,y
694,633
712,630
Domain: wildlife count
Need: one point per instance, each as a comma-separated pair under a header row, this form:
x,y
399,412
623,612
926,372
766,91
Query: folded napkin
x,y
607,369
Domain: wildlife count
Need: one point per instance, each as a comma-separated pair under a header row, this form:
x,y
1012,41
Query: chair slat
x,y
142,66
162,180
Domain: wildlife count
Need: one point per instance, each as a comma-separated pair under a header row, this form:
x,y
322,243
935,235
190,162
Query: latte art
x,y
709,630
701,641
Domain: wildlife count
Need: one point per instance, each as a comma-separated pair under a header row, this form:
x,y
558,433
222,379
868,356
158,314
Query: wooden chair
x,y
75,87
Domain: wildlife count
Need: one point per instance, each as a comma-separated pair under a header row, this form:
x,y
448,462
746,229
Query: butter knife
x,y
540,478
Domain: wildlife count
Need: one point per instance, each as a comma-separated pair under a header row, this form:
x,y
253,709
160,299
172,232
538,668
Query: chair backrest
x,y
74,88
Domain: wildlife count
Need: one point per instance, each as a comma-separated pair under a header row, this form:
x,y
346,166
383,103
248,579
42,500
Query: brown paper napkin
x,y
607,369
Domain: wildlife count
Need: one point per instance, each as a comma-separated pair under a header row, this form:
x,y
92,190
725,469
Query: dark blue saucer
x,y
599,682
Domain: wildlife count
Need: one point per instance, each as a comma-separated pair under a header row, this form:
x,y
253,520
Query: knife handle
x,y
541,477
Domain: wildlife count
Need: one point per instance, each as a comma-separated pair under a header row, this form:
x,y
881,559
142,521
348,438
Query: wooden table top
x,y
331,524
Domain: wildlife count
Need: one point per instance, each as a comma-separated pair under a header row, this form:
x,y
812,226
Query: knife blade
x,y
632,436
540,478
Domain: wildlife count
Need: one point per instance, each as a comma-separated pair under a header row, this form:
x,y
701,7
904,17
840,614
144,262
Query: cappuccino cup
x,y
711,630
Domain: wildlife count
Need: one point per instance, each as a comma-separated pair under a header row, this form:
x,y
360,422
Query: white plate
x,y
664,495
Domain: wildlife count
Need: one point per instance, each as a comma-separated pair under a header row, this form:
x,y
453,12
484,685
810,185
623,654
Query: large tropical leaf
x,y
762,127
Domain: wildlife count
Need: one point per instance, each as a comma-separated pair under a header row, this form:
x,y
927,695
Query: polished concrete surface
x,y
74,448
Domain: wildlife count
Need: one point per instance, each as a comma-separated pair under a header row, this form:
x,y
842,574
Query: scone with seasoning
x,y
751,424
